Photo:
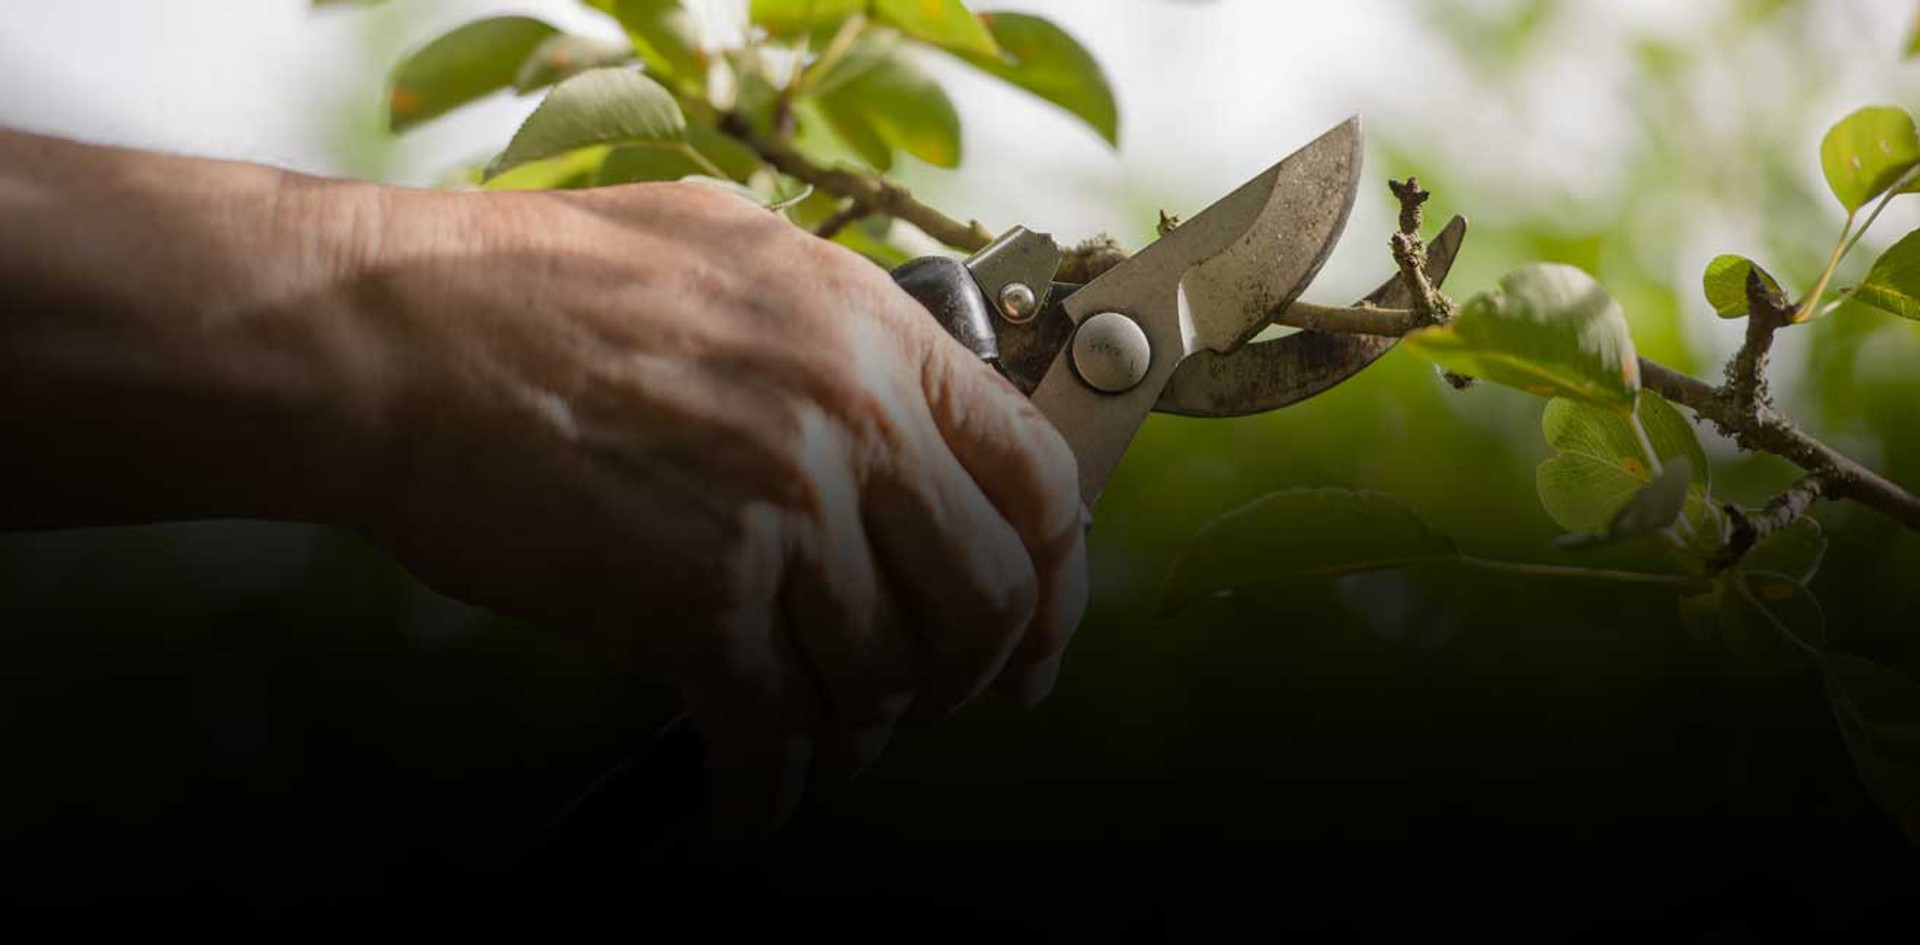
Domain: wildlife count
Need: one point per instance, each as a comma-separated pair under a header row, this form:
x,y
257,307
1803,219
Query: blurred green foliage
x,y
1423,705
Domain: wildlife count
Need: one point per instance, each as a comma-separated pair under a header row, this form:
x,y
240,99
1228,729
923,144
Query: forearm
x,y
179,339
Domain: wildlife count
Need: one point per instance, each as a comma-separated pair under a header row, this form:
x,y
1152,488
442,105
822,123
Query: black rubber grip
x,y
948,290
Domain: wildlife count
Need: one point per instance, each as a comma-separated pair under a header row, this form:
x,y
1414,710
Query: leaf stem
x,y
835,50
693,154
1675,581
1840,250
1898,187
1896,190
1647,451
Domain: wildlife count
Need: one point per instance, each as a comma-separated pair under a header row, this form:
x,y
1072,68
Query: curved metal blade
x,y
1225,274
1212,284
1269,375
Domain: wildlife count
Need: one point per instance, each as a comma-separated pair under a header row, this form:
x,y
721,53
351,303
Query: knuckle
x,y
1012,609
863,418
1049,474
939,384
982,640
853,397
735,618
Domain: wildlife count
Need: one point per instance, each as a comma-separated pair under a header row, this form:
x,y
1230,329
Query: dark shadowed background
x,y
258,719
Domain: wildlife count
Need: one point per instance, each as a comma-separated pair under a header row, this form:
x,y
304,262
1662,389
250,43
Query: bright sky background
x,y
1210,94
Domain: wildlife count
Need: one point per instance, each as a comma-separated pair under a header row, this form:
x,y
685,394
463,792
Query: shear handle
x,y
949,291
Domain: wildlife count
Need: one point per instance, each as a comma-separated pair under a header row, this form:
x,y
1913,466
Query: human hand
x,y
733,456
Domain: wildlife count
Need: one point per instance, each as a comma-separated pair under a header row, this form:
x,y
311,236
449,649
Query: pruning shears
x,y
1169,330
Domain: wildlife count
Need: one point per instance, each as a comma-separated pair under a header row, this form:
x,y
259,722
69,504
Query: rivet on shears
x,y
1112,353
1018,304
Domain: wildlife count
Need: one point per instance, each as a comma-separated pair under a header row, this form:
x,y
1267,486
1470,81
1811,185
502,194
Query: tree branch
x,y
1739,410
1746,374
852,212
1381,322
1764,431
877,194
1767,431
1750,529
1410,254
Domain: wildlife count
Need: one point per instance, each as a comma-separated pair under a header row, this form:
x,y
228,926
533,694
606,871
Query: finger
x,y
753,700
958,569
843,623
1027,470
1034,669
759,738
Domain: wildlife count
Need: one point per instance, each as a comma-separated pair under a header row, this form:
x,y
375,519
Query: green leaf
x,y
1725,283
565,55
815,135
875,244
872,47
1867,152
787,18
1302,533
1601,465
1772,620
571,170
1796,551
603,106
1600,468
1653,510
1043,59
860,136
754,93
725,151
1549,329
1893,284
704,152
1913,39
641,163
665,36
1878,710
947,24
894,106
474,60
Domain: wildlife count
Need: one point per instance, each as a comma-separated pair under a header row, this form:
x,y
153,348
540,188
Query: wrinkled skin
x,y
739,458
732,456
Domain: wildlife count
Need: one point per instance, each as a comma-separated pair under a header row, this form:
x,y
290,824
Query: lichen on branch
x,y
1746,374
1779,514
1410,253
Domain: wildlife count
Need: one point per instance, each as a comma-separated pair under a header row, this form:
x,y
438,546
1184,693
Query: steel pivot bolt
x,y
1018,303
1112,353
